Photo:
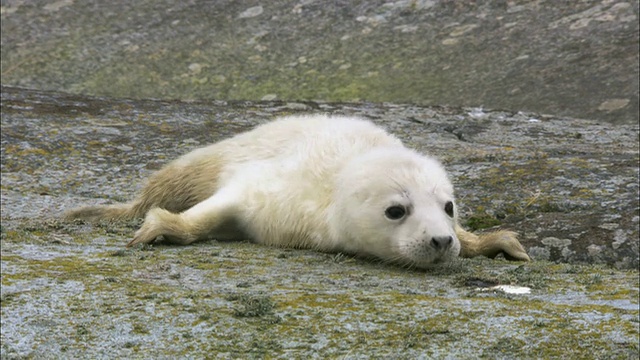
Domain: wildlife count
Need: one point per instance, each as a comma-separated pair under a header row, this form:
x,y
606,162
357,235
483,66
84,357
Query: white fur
x,y
325,182
311,182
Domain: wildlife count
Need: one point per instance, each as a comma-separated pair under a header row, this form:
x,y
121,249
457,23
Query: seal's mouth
x,y
435,262
423,254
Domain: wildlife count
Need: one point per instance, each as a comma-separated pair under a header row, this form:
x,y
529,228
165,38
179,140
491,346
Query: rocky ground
x,y
569,187
569,58
435,73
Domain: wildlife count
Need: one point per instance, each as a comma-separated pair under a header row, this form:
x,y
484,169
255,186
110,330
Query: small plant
x,y
252,305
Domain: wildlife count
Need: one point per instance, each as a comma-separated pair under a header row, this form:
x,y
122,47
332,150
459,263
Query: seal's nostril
x,y
441,242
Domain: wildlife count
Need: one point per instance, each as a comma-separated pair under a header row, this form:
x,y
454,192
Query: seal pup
x,y
330,183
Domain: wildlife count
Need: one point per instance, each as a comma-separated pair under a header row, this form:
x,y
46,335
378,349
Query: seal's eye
x,y
448,208
395,212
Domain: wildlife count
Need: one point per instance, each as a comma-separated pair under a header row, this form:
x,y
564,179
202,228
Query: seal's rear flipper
x,y
197,223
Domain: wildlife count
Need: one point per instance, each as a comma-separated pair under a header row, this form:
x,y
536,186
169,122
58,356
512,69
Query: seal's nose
x,y
441,242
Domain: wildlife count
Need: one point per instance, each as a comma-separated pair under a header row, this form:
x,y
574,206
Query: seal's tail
x,y
106,212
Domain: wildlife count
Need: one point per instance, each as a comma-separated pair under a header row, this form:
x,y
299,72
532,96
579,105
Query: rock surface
x,y
569,187
569,58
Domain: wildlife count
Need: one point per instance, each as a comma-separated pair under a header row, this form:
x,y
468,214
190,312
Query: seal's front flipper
x,y
491,244
505,242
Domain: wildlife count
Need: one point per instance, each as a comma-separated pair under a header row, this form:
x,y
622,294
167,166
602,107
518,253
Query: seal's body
x,y
335,184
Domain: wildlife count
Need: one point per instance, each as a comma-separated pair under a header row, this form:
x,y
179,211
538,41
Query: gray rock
x,y
555,242
70,290
570,58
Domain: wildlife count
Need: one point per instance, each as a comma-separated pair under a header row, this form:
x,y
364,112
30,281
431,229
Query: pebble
x,y
251,12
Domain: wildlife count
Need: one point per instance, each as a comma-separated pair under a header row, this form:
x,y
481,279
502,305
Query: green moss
x,y
547,204
504,346
418,337
480,221
139,328
81,331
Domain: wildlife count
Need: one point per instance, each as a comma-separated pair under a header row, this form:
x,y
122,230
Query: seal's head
x,y
397,205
